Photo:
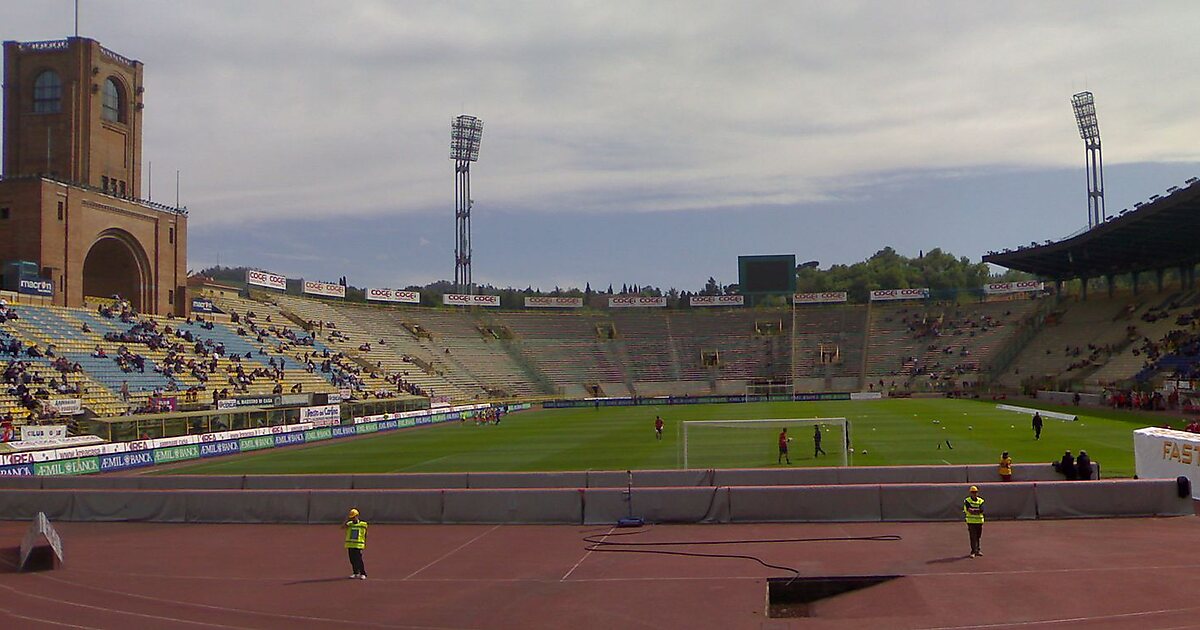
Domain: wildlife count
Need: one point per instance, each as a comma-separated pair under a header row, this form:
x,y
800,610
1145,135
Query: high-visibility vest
x,y
973,509
1006,466
356,535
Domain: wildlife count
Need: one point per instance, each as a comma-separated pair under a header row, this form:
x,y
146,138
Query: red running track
x,y
1115,573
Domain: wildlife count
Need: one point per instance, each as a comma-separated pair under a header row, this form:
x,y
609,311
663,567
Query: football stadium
x,y
186,449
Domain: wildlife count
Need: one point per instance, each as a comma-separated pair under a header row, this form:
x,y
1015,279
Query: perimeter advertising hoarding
x,y
266,279
324,289
884,295
546,301
636,301
322,416
35,286
1013,287
394,295
457,299
1167,454
761,275
824,297
717,300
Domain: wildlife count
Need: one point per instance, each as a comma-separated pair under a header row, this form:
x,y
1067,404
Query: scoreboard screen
x,y
767,274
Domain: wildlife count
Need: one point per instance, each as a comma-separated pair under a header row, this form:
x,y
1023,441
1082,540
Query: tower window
x,y
114,106
3,213
104,182
47,93
60,211
170,235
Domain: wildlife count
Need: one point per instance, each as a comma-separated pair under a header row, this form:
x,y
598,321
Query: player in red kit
x,y
783,447
658,427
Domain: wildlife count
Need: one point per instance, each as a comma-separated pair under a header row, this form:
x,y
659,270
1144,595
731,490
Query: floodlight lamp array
x,y
1084,105
465,134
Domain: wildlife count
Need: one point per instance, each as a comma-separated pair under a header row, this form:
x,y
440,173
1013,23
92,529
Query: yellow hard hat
x,y
973,489
353,512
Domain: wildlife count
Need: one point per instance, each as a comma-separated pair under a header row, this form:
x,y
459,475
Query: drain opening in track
x,y
788,597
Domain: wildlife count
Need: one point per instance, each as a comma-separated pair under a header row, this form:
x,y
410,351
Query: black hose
x,y
598,543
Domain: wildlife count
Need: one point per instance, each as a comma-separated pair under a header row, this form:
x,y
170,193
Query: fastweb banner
x,y
1167,454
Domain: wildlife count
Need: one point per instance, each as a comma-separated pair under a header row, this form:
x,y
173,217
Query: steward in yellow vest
x,y
973,510
356,541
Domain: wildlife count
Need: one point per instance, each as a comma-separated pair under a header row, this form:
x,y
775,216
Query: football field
x,y
883,432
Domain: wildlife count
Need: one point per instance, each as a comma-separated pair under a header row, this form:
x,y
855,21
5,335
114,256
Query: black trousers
x,y
356,562
975,530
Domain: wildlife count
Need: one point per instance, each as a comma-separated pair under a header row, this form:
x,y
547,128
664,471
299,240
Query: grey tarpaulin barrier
x,y
297,482
403,481
376,506
247,506
527,480
650,478
129,505
25,504
24,482
555,505
804,503
189,482
903,474
1126,497
88,482
657,505
775,477
943,502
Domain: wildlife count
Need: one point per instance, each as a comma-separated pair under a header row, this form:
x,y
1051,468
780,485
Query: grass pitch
x,y
892,432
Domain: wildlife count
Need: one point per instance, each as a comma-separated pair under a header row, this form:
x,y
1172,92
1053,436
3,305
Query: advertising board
x,y
884,295
546,301
324,289
822,297
636,301
394,295
458,299
266,279
717,300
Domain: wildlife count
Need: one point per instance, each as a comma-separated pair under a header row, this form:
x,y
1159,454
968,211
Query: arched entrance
x,y
116,265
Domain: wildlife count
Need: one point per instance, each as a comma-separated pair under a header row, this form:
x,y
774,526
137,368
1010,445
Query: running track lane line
x,y
585,557
452,551
122,612
176,602
1009,624
64,624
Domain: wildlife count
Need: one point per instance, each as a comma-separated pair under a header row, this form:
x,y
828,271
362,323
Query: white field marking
x,y
177,602
585,557
452,552
422,463
945,462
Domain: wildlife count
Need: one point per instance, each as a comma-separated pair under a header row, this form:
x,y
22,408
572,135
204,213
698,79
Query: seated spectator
x,y
1083,466
1066,466
99,353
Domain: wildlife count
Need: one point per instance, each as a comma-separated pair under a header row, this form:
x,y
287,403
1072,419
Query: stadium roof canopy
x,y
1159,234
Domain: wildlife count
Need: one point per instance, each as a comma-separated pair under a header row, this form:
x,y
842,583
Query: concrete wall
x,y
713,504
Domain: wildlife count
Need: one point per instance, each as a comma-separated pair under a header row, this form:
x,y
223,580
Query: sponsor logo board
x,y
43,433
394,295
457,299
322,416
266,279
82,466
636,301
546,301
1167,454
821,297
35,286
899,294
717,300
325,289
1013,287
203,305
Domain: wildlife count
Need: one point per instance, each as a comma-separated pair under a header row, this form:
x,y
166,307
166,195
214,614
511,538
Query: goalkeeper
x,y
783,447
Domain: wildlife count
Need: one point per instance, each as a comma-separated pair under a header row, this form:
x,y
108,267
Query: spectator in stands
x,y
125,391
1083,466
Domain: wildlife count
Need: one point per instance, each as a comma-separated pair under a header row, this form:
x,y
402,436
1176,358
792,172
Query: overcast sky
x,y
647,142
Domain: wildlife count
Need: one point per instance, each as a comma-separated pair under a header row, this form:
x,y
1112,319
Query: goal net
x,y
755,443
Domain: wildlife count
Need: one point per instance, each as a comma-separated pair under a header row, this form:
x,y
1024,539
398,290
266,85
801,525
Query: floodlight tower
x,y
465,133
1089,130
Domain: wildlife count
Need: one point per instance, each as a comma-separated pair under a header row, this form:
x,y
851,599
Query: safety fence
x,y
711,504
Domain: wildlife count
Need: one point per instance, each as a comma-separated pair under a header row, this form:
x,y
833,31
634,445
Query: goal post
x,y
754,443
